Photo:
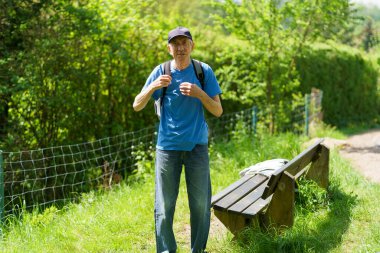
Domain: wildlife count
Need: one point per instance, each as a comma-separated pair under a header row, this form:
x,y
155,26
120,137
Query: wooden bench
x,y
269,201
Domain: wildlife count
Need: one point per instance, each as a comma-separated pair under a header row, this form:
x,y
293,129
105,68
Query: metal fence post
x,y
307,106
1,188
254,119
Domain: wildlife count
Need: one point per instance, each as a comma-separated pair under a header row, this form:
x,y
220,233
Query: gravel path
x,y
363,151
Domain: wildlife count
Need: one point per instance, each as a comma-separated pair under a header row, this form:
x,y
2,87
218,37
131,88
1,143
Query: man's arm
x,y
213,105
142,99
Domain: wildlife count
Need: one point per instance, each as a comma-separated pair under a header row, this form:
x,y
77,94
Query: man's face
x,y
180,48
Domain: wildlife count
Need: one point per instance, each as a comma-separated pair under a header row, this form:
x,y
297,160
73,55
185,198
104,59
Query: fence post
x,y
307,105
1,188
254,119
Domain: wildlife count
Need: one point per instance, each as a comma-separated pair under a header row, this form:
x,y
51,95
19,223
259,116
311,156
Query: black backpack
x,y
200,76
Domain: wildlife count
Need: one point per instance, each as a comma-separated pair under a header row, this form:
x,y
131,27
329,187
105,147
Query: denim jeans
x,y
197,173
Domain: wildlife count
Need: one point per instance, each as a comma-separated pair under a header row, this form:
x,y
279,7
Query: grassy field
x,y
121,220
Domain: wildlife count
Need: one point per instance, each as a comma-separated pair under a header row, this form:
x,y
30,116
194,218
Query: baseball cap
x,y
179,31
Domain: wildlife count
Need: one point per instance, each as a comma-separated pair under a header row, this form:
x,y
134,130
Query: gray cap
x,y
179,31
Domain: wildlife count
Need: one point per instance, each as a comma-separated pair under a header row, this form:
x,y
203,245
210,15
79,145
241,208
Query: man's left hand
x,y
189,89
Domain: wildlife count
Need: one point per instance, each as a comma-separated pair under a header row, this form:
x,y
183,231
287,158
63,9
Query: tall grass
x,y
122,220
349,222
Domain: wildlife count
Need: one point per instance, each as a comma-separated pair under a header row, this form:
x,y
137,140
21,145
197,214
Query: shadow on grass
x,y
309,233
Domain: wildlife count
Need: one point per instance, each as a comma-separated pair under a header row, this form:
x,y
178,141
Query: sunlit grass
x,y
122,220
350,222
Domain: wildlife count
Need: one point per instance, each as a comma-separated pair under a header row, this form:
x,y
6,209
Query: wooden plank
x,y
301,172
230,188
303,161
245,202
240,192
292,167
257,207
319,169
234,222
280,212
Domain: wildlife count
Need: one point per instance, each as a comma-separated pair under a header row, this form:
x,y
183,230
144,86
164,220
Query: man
x,y
182,140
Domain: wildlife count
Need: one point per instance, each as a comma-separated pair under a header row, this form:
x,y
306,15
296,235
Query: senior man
x,y
182,139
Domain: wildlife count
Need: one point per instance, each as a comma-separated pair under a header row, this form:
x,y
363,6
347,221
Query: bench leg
x,y
234,222
319,169
280,211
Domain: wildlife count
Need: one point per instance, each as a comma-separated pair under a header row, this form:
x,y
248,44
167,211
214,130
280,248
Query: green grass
x,y
349,223
116,221
121,220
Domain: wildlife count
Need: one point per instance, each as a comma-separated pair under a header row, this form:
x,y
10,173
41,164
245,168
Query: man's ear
x,y
169,50
192,45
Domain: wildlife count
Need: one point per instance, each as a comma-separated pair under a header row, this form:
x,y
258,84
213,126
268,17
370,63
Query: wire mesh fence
x,y
226,126
58,175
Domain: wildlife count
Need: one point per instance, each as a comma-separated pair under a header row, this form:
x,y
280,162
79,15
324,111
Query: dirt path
x,y
363,151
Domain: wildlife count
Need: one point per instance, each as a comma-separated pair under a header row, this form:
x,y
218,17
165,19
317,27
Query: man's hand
x,y
143,97
189,89
213,105
161,81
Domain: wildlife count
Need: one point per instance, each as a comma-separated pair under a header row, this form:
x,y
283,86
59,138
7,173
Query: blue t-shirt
x,y
182,124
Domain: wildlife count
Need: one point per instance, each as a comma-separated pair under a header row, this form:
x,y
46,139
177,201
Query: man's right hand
x,y
143,97
162,81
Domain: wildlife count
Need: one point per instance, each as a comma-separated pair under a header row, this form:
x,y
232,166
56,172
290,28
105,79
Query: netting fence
x,y
58,175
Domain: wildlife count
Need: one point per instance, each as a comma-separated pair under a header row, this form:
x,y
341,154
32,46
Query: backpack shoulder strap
x,y
199,72
166,72
167,68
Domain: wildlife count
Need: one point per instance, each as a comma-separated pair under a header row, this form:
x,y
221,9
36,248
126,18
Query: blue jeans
x,y
168,173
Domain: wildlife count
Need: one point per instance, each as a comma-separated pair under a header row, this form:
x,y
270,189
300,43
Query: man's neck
x,y
181,65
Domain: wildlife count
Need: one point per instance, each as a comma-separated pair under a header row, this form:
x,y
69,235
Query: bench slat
x,y
257,207
245,202
293,167
229,189
304,161
240,192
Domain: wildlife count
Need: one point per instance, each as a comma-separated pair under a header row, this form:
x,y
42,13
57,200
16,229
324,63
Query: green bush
x,y
348,80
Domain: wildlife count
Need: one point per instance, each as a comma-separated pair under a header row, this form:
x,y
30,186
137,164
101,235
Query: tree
x,y
74,64
278,32
370,39
14,17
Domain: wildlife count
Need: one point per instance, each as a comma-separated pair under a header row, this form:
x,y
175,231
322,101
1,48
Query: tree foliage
x,y
277,31
76,64
348,81
69,70
363,31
